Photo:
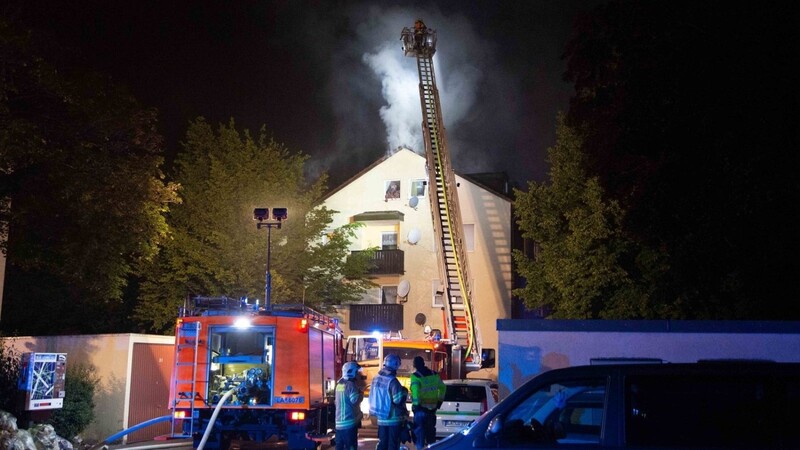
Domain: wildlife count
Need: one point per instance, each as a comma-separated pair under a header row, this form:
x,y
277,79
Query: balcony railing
x,y
376,317
386,262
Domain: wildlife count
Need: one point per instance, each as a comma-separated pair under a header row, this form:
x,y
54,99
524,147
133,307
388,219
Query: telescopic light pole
x,y
262,216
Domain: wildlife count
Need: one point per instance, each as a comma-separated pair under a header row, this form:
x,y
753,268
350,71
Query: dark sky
x,y
329,78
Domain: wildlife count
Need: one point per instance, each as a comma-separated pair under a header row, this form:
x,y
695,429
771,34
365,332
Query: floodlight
x,y
280,213
261,214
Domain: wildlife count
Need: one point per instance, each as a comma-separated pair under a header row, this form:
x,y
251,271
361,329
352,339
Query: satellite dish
x,y
413,201
413,236
403,288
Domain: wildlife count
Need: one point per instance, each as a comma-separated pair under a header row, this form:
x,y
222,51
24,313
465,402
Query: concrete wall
x,y
530,347
112,357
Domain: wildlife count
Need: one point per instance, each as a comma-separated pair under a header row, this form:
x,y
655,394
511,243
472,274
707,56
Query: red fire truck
x,y
254,373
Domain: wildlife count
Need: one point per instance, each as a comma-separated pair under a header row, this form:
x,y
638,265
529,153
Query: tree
x,y
215,248
83,195
77,413
586,267
686,120
9,379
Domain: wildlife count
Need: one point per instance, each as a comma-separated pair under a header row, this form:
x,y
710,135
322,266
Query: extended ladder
x,y
185,378
421,43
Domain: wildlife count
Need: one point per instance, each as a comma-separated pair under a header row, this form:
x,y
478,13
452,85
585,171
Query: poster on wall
x,y
42,377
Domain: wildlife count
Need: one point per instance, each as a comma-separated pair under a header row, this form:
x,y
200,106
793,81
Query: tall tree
x,y
82,191
216,248
686,111
585,266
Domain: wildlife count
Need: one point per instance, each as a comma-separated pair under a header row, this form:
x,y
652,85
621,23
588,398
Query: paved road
x,y
367,440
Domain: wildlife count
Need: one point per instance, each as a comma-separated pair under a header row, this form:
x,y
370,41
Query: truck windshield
x,y
407,358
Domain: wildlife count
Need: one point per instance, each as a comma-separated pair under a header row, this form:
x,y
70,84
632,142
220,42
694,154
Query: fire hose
x,y
214,418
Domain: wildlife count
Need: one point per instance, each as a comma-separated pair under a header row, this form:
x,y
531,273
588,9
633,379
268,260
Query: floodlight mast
x,y
262,216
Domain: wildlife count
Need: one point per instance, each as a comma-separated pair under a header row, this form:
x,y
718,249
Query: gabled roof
x,y
494,182
356,176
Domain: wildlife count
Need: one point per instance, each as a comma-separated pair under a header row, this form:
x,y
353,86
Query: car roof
x,y
703,368
721,366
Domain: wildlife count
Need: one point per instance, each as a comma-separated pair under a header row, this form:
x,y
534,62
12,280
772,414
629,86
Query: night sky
x,y
329,79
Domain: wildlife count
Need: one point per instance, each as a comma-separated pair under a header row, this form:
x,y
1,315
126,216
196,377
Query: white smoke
x,y
458,75
399,86
499,83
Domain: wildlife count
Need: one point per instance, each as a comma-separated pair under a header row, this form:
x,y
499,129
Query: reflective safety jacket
x,y
348,399
387,399
427,388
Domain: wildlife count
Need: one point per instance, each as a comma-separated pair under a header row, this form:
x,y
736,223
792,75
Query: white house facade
x,y
391,199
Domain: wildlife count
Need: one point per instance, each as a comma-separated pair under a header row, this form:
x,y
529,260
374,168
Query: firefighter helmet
x,y
391,362
350,370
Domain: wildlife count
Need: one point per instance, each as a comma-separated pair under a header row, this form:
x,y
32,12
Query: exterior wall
x,y
490,261
530,347
112,357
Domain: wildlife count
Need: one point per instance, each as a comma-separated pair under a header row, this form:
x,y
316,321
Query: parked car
x,y
713,404
464,401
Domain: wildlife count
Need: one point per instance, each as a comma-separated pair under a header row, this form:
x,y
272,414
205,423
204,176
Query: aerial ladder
x,y
420,42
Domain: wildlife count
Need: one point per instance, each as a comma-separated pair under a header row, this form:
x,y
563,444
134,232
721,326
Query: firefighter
x,y
387,402
348,411
419,33
427,395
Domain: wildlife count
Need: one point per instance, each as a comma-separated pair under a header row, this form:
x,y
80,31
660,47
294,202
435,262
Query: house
x,y
390,198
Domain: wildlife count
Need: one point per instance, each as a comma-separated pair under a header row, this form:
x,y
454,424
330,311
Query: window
x,y
438,293
465,393
392,190
469,237
418,188
570,412
388,295
389,241
326,236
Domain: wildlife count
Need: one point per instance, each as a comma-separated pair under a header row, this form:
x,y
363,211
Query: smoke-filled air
x,y
372,79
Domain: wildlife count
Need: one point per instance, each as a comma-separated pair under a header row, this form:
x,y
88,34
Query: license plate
x,y
455,423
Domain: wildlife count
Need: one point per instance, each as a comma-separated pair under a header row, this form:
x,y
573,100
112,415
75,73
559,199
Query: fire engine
x,y
368,350
255,373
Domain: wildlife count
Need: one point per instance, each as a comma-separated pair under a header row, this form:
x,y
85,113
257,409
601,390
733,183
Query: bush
x,y
9,377
78,410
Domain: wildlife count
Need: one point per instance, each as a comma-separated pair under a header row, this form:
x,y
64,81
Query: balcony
x,y
376,317
386,262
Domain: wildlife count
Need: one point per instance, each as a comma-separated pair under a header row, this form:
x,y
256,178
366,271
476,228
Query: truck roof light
x,y
242,322
303,326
